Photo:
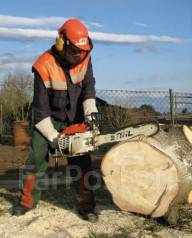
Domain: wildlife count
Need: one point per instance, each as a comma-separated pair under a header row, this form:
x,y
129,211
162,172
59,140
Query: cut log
x,y
188,133
139,176
149,177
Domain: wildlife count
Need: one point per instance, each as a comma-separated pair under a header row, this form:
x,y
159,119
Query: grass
x,y
94,234
138,229
123,232
149,227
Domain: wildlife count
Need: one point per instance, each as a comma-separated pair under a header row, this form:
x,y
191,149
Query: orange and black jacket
x,y
61,94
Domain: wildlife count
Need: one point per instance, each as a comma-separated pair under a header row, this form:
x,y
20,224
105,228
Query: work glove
x,y
55,142
47,129
90,111
94,119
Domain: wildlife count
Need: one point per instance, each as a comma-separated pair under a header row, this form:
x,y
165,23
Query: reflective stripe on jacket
x,y
53,75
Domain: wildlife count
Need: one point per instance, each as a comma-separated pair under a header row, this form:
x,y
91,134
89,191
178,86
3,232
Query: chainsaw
x,y
82,138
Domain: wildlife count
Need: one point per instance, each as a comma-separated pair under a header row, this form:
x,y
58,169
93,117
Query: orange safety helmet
x,y
76,32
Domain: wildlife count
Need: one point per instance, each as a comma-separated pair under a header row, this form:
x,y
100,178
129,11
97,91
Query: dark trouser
x,y
36,167
85,184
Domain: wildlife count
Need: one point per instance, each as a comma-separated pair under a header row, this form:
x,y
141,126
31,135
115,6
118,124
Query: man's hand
x,y
94,119
55,143
48,131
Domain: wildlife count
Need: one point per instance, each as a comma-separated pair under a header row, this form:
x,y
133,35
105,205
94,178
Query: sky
x,y
138,44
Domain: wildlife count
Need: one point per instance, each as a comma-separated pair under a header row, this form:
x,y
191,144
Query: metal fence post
x,y
1,118
174,108
171,105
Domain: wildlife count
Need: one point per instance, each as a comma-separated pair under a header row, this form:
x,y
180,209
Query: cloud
x,y
35,34
23,29
15,66
24,21
48,22
120,38
94,24
140,24
25,34
8,58
150,49
20,63
12,68
135,81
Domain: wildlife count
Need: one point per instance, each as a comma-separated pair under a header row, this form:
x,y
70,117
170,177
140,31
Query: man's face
x,y
73,54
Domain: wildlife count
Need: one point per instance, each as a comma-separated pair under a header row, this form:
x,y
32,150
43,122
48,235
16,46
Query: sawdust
x,y
49,220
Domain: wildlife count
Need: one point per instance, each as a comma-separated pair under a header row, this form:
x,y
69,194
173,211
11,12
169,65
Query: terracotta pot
x,y
21,136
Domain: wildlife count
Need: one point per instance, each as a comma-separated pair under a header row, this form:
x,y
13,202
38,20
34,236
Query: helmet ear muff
x,y
59,45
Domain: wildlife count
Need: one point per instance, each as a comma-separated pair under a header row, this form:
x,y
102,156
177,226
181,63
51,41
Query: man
x,y
64,93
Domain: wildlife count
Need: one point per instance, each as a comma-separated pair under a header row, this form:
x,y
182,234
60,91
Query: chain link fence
x,y
121,108
181,107
159,100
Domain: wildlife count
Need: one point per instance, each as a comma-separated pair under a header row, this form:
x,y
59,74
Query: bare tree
x,y
16,97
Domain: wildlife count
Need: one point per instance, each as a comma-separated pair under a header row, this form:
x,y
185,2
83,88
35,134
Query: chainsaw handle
x,y
94,119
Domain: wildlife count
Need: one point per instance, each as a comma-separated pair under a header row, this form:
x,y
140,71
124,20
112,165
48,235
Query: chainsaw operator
x,y
64,93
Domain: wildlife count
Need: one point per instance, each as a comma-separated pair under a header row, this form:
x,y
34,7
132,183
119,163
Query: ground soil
x,y
56,215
